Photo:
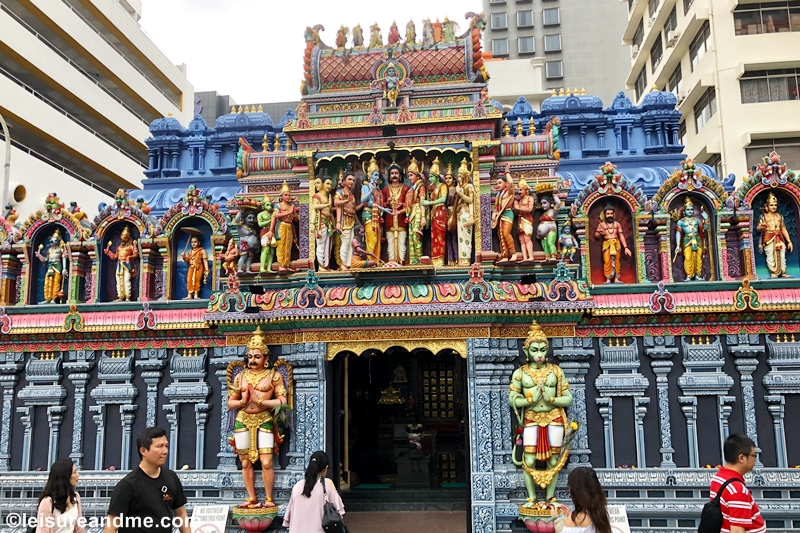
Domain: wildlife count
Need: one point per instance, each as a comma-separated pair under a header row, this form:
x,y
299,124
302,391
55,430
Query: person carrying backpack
x,y
732,506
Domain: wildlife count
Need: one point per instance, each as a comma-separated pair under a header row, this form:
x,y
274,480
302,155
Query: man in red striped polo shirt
x,y
740,512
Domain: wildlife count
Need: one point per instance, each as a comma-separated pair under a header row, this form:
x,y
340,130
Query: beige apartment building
x,y
734,67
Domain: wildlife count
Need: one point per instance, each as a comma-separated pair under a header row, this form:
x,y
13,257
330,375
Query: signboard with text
x,y
209,518
618,517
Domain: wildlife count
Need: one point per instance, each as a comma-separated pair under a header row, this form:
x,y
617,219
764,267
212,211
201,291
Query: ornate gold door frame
x,y
359,347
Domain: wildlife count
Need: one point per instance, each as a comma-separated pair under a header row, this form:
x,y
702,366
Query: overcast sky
x,y
254,52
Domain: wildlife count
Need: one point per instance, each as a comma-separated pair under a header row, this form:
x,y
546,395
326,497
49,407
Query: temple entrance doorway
x,y
402,435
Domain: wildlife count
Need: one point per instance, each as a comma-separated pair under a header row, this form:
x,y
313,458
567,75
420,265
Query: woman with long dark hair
x,y
590,514
59,504
304,512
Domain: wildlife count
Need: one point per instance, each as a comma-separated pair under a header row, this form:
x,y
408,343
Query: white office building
x,y
733,65
80,83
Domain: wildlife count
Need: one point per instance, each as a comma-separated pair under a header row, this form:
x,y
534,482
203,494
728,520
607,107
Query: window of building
x,y
499,21
672,20
551,16
715,162
500,47
656,53
705,108
682,134
675,83
524,1
552,43
788,149
770,85
700,45
767,17
652,7
525,45
687,5
638,35
554,69
524,19
641,83
497,1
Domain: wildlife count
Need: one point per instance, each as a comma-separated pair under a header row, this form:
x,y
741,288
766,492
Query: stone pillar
x,y
746,350
605,407
574,355
689,409
490,364
79,365
151,364
776,404
725,410
639,411
26,416
661,350
220,359
9,376
172,418
308,367
55,415
127,414
201,410
100,439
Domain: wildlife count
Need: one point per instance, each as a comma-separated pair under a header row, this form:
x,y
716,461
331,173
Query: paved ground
x,y
439,521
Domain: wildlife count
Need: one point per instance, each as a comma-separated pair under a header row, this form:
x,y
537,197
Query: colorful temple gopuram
x,y
404,244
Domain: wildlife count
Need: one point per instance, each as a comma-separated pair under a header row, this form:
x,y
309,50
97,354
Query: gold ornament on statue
x,y
256,342
413,166
535,334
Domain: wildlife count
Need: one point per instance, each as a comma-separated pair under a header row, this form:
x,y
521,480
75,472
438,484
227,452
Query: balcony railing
x,y
74,65
69,115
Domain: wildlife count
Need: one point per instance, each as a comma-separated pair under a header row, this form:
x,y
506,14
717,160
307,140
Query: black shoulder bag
x,y
711,517
331,519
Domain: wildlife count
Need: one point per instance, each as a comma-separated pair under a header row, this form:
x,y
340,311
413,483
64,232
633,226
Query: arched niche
x,y
107,278
788,208
624,216
710,271
37,270
180,243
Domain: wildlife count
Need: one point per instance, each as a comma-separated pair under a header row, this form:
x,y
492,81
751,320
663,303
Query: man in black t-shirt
x,y
150,499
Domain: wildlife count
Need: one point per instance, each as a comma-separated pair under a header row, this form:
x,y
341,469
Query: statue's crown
x,y
535,334
257,341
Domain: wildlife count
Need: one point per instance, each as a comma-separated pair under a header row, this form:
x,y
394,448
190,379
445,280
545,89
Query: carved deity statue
x,y
503,216
427,32
775,238
567,243
465,213
438,215
197,276
255,395
248,239
345,204
126,253
523,206
452,218
266,236
614,243
396,221
417,220
229,258
394,34
371,210
538,394
375,39
391,84
690,240
322,221
448,30
55,261
284,219
341,36
547,231
411,33
358,36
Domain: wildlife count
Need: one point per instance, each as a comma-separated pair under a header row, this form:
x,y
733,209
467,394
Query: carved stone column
x,y
574,355
619,359
220,359
783,378
115,370
172,418
201,410
127,414
26,416
43,374
152,362
703,360
746,349
188,370
490,364
9,376
55,415
661,350
100,438
79,365
308,366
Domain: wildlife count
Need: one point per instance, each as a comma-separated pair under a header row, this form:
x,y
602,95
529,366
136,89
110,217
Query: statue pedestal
x,y
542,517
255,520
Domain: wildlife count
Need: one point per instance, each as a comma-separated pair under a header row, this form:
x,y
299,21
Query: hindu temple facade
x,y
394,307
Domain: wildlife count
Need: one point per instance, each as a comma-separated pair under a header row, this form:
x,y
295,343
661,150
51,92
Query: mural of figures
x,y
774,239
123,254
53,255
692,239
